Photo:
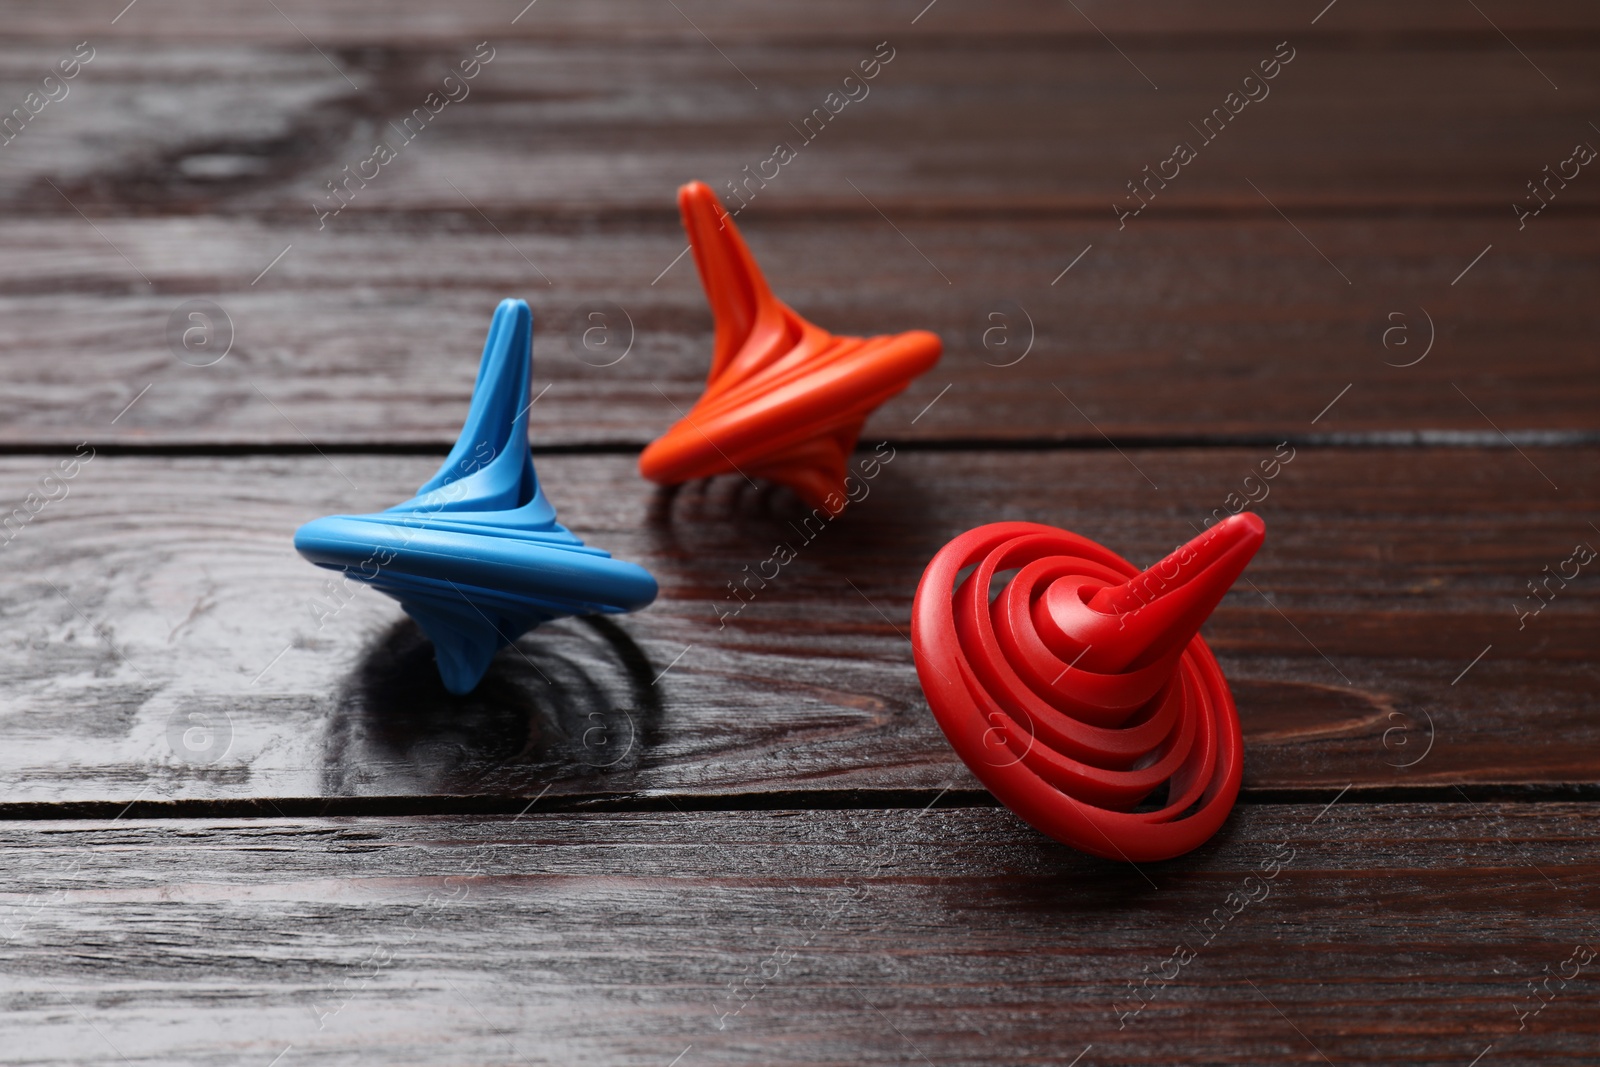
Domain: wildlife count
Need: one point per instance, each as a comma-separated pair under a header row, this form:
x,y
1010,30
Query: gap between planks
x,y
1393,439
777,800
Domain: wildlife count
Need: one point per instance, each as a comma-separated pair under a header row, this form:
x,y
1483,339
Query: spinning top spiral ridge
x,y
477,557
1081,687
784,399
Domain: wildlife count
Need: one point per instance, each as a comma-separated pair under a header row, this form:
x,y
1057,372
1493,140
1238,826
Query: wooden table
x,y
243,823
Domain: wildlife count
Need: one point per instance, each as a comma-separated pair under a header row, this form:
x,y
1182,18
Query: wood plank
x,y
164,643
557,129
370,335
1385,934
350,23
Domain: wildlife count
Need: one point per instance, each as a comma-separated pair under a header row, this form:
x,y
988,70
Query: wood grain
x,y
351,22
162,595
368,336
556,130
1387,934
729,832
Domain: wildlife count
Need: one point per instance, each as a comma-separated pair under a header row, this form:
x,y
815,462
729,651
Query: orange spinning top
x,y
784,399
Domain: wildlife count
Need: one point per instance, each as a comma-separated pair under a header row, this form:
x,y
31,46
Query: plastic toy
x,y
477,557
784,399
1083,685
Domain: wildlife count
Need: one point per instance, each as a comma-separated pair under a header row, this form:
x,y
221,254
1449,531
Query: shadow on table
x,y
571,701
740,528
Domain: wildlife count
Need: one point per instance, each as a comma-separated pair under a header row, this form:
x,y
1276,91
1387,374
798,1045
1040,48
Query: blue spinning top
x,y
477,557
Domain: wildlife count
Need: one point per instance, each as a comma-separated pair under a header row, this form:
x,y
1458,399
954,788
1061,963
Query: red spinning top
x,y
1083,685
784,399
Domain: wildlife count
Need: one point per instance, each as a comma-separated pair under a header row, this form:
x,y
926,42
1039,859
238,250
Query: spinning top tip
x,y
1157,612
1214,559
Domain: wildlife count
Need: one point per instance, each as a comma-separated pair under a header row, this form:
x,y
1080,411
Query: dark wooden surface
x,y
241,820
1386,934
368,336
1385,573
